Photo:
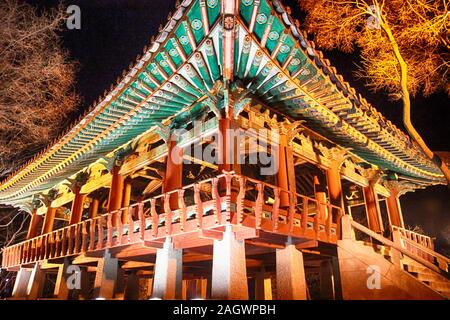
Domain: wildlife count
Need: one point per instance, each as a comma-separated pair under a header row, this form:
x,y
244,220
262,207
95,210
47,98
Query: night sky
x,y
114,32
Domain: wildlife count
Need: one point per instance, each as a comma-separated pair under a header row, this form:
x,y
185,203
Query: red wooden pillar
x,y
173,177
320,194
282,176
49,219
334,184
372,208
115,192
126,198
93,209
34,223
77,206
394,209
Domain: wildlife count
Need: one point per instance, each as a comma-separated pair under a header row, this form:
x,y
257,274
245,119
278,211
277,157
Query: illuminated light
x,y
155,298
100,298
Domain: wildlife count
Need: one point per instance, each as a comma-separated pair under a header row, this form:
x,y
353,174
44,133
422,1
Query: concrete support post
x,y
61,290
168,272
229,273
21,283
291,281
106,277
36,282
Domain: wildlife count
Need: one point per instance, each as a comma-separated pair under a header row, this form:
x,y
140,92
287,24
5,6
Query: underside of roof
x,y
273,61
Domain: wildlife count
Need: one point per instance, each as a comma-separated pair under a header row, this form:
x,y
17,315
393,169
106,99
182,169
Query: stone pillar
x,y
49,219
77,205
36,282
229,273
61,290
173,177
106,277
21,283
168,272
373,208
34,223
291,281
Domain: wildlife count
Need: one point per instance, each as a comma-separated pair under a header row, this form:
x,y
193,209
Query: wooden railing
x,y
437,262
226,198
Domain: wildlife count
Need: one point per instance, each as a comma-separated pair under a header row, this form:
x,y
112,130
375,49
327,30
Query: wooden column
x,y
77,206
34,224
106,277
126,198
334,184
320,193
291,281
115,192
173,177
49,219
373,209
229,273
93,209
282,176
394,209
168,272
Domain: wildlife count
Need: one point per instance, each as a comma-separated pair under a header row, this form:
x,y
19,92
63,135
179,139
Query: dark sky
x,y
114,32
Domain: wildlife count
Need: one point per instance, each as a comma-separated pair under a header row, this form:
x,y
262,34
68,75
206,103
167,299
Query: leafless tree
x,y
37,97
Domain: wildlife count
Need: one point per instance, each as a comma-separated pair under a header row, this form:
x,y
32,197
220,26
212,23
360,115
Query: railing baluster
x,y
240,201
92,234
70,238
84,236
291,212
329,221
305,212
217,203
198,206
100,232
259,205
183,209
142,221
77,232
109,229
130,215
119,225
57,245
155,218
168,214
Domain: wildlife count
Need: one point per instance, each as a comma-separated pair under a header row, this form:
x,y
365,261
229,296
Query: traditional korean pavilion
x,y
113,206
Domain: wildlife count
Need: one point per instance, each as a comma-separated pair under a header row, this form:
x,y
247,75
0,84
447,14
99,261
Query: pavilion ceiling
x,y
273,62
